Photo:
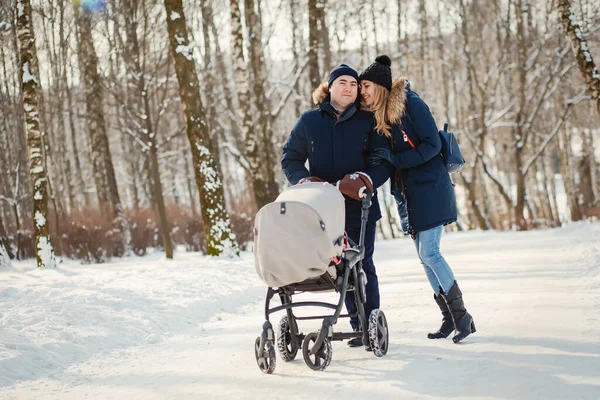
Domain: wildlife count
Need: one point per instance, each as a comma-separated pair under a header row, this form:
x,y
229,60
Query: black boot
x,y
463,322
447,323
357,342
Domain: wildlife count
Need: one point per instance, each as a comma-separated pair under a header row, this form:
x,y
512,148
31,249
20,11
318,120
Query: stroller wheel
x,y
286,348
265,357
322,358
378,333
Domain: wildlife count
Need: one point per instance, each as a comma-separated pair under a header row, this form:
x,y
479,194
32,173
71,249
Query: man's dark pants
x,y
372,302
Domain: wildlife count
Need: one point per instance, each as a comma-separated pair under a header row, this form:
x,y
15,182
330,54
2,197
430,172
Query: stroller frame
x,y
349,267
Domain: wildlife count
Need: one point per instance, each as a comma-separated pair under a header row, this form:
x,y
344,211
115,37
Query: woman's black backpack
x,y
450,151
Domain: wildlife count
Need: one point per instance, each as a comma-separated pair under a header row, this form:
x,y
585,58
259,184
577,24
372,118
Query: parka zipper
x,y
411,231
410,228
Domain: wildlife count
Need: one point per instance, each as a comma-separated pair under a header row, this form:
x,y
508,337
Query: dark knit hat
x,y
380,72
340,70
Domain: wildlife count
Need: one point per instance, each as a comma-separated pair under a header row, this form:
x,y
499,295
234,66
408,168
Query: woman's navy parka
x,y
421,185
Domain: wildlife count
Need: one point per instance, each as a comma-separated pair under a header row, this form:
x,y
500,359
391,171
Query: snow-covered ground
x,y
148,328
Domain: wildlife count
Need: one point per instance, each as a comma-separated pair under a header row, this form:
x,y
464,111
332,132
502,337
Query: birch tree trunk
x,y
314,74
520,133
580,48
214,127
217,227
566,171
243,92
78,169
260,151
296,44
324,36
4,258
4,240
29,87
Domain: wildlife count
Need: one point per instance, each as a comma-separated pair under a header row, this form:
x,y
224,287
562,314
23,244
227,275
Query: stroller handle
x,y
364,216
366,201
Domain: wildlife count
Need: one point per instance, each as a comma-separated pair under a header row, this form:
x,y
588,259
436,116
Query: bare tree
x,y
142,116
104,172
217,227
314,72
580,48
260,150
29,89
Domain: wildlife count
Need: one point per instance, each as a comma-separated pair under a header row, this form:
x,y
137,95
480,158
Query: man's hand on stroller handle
x,y
356,185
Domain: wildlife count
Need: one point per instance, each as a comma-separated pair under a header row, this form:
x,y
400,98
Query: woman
x,y
421,184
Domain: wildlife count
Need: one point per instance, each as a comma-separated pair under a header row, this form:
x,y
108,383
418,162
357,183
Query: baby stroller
x,y
300,246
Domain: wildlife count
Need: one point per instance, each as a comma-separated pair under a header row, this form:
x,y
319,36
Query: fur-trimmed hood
x,y
396,105
320,94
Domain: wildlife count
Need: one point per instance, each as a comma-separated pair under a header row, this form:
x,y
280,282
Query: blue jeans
x,y
436,268
372,302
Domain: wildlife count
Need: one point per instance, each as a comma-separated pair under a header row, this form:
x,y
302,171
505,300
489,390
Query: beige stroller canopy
x,y
297,235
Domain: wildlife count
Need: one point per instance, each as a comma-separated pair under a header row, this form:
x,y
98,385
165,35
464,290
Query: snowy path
x,y
535,297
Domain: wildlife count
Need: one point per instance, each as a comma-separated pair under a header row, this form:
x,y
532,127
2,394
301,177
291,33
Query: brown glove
x,y
310,179
355,185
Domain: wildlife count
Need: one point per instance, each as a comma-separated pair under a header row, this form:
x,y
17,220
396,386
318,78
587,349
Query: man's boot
x,y
463,321
355,342
447,323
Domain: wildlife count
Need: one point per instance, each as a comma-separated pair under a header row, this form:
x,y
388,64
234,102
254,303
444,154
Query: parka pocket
x,y
422,174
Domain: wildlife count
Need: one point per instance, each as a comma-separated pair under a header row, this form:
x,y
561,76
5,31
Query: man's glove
x,y
379,155
310,179
355,185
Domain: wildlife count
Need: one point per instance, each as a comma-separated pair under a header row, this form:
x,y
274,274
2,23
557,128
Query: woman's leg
x,y
429,252
431,277
430,255
427,243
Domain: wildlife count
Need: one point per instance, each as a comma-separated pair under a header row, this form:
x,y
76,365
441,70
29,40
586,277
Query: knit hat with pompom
x,y
380,72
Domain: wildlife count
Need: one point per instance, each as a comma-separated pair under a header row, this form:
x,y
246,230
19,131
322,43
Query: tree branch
x,y
283,100
551,136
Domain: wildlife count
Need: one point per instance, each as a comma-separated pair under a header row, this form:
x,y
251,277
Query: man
x,y
336,138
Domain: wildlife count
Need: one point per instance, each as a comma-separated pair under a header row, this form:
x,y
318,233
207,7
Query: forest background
x,y
130,125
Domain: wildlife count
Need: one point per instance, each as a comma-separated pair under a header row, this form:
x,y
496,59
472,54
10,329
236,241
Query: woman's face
x,y
367,91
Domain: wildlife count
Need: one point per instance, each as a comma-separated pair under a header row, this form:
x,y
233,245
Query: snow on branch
x,y
236,154
556,129
493,120
495,179
283,100
5,26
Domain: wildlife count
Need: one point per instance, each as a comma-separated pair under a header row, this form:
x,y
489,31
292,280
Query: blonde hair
x,y
378,107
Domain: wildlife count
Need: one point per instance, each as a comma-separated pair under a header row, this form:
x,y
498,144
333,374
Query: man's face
x,y
343,91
